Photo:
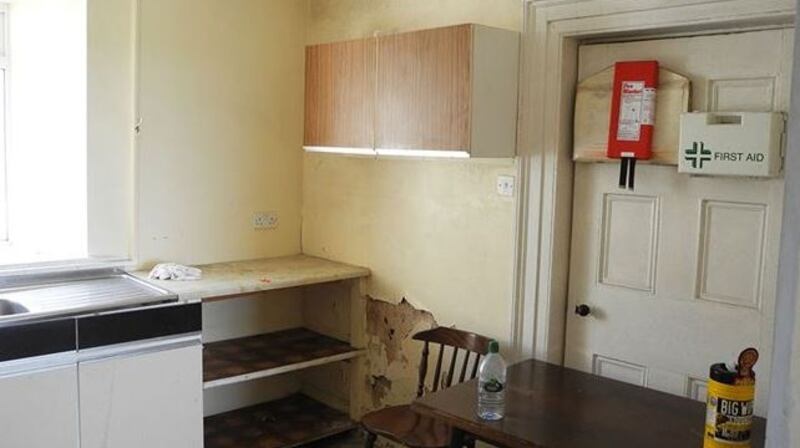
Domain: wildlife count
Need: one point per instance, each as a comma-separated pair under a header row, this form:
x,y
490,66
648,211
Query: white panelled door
x,y
681,272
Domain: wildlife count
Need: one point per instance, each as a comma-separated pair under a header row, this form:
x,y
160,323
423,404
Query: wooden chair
x,y
400,423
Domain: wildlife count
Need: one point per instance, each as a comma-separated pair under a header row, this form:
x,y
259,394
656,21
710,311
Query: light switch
x,y
505,185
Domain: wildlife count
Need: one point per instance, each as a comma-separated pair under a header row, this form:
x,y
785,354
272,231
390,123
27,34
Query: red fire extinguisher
x,y
633,110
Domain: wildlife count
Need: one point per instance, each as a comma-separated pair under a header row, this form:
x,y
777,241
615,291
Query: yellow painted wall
x,y
111,37
221,98
433,231
332,20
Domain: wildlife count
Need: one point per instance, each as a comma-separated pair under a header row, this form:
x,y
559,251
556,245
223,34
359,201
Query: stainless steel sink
x,y
8,308
61,294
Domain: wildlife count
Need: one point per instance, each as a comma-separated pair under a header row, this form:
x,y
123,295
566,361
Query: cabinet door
x,y
40,409
151,400
340,94
424,89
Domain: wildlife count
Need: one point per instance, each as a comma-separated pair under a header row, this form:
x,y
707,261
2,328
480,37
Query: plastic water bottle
x,y
492,385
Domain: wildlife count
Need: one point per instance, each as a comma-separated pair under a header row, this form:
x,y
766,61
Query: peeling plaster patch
x,y
380,388
392,359
392,324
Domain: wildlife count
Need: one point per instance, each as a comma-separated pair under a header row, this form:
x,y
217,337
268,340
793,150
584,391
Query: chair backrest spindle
x,y
464,367
438,372
475,366
457,340
452,367
423,370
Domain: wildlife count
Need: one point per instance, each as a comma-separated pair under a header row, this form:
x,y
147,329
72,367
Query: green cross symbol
x,y
698,153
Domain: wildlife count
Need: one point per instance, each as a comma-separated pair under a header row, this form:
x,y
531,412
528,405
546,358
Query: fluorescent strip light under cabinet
x,y
341,150
440,154
391,152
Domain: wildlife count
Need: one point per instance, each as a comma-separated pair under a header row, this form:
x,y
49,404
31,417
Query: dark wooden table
x,y
549,406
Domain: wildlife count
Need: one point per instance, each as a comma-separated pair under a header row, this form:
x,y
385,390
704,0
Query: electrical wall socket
x,y
505,185
265,220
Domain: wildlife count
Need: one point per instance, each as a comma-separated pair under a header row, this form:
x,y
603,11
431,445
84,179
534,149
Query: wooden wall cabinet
x,y
452,89
339,97
444,89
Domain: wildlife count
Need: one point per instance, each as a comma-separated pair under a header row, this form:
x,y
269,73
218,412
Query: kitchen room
x,y
340,197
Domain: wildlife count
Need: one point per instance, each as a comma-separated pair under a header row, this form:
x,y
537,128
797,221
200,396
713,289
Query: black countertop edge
x,y
27,339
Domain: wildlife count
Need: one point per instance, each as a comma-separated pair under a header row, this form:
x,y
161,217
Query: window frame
x,y
4,108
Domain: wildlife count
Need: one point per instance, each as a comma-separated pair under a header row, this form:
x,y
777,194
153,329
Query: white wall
x,y
47,131
221,99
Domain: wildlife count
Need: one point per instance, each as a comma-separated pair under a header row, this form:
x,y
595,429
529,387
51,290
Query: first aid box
x,y
732,143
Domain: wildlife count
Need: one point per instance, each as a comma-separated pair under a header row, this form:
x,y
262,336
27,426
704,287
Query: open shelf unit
x,y
244,359
281,357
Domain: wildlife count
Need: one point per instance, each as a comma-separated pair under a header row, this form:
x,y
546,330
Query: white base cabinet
x,y
39,409
151,400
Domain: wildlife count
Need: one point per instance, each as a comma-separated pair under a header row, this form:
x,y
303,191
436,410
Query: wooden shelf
x,y
284,423
243,359
233,279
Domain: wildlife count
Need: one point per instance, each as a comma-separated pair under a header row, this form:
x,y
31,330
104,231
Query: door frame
x,y
552,31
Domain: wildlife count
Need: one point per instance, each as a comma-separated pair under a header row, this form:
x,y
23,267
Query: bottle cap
x,y
494,346
721,373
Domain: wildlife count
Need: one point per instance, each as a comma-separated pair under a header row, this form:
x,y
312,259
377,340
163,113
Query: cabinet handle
x,y
139,347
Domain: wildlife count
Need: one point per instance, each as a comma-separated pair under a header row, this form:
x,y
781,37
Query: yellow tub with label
x,y
729,410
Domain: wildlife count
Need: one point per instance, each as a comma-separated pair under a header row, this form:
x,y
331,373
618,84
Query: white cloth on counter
x,y
174,271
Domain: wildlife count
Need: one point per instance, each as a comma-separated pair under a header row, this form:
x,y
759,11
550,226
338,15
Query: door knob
x,y
583,310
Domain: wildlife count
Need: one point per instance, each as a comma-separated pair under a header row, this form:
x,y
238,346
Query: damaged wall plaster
x,y
393,324
392,361
380,387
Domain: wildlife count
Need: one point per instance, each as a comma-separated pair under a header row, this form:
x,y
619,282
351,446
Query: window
x,y
67,108
43,149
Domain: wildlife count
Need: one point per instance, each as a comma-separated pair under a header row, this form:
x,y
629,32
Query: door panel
x,y
680,273
340,94
628,241
149,400
39,409
424,89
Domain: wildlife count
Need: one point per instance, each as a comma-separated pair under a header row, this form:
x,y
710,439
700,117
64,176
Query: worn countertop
x,y
241,277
